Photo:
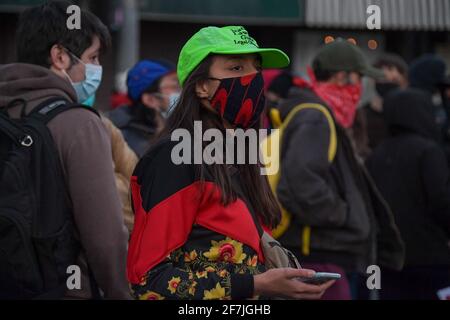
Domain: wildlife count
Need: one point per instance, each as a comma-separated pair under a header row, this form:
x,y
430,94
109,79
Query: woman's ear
x,y
59,58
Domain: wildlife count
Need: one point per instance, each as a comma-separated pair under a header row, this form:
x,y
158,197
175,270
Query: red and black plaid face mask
x,y
240,100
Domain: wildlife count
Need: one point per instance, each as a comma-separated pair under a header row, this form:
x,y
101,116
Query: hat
x,y
281,84
225,40
341,55
143,75
428,72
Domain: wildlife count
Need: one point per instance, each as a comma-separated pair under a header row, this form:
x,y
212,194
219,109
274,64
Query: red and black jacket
x,y
185,243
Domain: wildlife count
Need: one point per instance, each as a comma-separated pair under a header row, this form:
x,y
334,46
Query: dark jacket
x,y
369,130
411,171
351,225
137,126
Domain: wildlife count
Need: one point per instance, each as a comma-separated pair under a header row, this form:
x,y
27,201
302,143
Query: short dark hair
x,y
320,73
41,27
281,84
392,60
324,75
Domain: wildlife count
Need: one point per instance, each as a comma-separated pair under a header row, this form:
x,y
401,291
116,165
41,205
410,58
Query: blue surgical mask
x,y
93,77
89,102
173,100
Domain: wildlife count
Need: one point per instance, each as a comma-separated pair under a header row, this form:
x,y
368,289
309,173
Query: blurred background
x,y
158,28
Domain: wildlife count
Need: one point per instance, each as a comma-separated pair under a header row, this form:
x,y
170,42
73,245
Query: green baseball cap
x,y
225,40
341,55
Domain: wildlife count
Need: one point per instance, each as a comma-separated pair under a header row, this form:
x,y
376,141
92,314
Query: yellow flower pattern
x,y
222,273
210,269
227,250
191,256
173,284
253,261
217,293
150,295
201,274
192,288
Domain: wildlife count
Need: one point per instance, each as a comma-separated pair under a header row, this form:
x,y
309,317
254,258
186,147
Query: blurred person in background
x,y
277,90
333,205
370,128
411,171
124,162
153,87
119,96
428,73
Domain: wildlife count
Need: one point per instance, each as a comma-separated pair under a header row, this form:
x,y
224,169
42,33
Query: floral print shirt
x,y
201,269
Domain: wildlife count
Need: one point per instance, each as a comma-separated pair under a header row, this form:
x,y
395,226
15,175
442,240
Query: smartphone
x,y
321,277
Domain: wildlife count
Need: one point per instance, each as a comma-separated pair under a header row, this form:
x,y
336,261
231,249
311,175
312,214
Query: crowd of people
x,y
363,179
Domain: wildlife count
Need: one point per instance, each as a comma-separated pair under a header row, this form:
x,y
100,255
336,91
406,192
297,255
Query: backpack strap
x,y
44,112
52,107
275,117
332,149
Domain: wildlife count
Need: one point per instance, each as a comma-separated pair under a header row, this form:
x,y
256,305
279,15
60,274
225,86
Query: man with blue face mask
x,y
87,88
57,63
154,89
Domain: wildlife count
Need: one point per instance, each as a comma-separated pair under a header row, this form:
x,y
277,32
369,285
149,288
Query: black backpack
x,y
37,233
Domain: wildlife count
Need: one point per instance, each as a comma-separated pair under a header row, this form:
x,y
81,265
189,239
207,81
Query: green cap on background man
x,y
341,55
225,40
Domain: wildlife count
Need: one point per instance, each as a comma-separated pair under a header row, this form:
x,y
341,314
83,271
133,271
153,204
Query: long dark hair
x,y
254,185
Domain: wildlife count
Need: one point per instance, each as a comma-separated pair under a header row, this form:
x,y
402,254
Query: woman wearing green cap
x,y
198,227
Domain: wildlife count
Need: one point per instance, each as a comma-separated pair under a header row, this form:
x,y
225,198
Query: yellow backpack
x,y
276,138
